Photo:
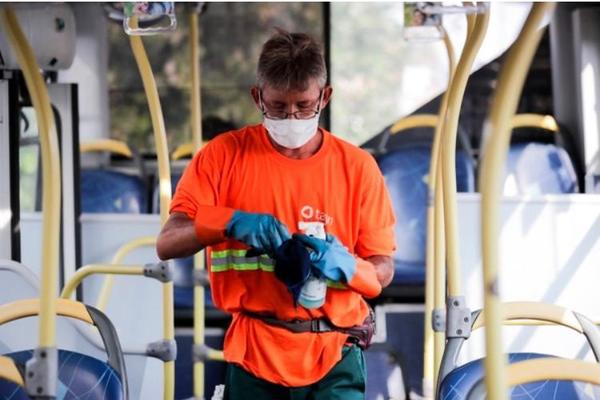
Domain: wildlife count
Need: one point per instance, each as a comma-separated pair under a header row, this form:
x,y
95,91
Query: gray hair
x,y
290,61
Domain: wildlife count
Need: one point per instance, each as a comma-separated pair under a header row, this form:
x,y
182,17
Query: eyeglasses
x,y
307,113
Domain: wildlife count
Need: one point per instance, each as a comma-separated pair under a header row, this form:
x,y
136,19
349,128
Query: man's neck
x,y
304,152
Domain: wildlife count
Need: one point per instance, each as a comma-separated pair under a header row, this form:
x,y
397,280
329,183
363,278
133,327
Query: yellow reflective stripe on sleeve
x,y
226,260
336,285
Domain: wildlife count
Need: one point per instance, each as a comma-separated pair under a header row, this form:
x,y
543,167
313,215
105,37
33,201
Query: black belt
x,y
360,334
320,325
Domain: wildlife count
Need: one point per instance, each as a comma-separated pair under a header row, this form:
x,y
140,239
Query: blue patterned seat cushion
x,y
460,381
81,377
405,171
112,192
536,168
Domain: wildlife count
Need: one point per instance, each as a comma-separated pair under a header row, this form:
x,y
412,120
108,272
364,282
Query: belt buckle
x,y
315,325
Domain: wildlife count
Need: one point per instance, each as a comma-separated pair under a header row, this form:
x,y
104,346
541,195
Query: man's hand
x,y
263,232
330,257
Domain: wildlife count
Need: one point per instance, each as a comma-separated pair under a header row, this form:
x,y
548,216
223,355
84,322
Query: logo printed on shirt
x,y
309,213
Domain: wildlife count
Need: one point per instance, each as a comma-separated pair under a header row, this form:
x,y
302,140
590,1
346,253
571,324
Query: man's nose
x,y
290,110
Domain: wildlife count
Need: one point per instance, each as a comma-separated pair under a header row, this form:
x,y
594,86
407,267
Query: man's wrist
x,y
210,223
365,280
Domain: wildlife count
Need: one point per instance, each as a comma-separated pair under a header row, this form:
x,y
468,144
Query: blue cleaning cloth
x,y
292,266
329,257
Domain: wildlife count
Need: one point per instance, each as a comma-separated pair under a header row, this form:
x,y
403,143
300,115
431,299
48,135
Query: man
x,y
256,187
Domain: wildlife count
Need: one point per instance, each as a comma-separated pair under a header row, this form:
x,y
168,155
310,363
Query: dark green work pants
x,y
345,381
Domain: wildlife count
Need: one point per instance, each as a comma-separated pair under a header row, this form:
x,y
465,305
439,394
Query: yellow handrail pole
x,y
164,184
439,265
546,122
497,137
184,150
196,125
433,344
415,121
542,369
461,76
471,19
195,99
117,259
51,174
518,311
92,269
10,372
111,145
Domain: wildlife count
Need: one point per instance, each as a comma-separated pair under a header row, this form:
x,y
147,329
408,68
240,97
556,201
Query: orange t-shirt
x,y
339,186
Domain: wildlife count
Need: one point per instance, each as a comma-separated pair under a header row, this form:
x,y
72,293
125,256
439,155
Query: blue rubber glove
x,y
330,257
263,232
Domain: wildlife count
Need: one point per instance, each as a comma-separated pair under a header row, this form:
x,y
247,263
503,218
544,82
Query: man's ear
x,y
254,92
327,92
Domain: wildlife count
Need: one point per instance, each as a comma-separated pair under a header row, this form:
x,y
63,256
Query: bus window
x,y
231,38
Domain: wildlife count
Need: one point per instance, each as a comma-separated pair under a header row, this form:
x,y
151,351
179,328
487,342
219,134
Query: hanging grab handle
x,y
142,18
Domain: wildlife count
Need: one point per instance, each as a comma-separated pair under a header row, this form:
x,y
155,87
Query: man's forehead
x,y
310,92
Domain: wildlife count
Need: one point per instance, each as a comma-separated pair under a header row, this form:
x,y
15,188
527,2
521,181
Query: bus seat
x,y
112,192
384,374
80,377
461,380
405,171
538,168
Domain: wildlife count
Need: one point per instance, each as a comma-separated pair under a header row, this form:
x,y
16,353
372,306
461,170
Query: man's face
x,y
283,102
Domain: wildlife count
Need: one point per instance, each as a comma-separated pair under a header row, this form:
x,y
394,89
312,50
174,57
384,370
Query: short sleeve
x,y
376,217
199,184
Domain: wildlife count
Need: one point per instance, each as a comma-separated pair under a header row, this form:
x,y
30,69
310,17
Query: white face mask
x,y
292,133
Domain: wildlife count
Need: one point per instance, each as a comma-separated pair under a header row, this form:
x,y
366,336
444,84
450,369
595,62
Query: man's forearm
x,y
177,238
384,268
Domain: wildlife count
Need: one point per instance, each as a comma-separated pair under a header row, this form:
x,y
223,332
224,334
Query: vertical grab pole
x,y
164,174
196,126
496,133
433,345
45,354
463,70
476,29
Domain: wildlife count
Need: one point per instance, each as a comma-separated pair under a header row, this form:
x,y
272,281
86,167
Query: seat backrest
x,y
461,380
105,191
537,168
405,171
79,377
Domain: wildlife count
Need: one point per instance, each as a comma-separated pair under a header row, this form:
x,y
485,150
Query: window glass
x,y
231,38
29,159
377,76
